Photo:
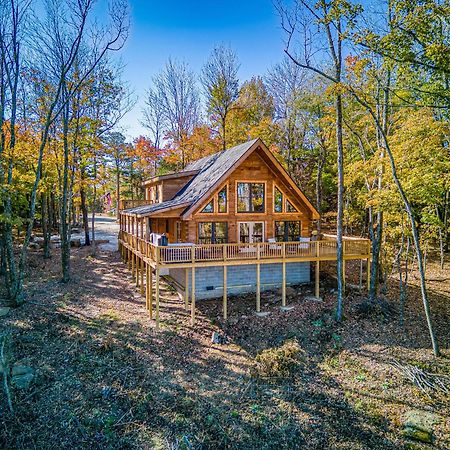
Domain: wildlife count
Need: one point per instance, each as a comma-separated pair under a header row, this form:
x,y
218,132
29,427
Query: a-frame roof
x,y
212,171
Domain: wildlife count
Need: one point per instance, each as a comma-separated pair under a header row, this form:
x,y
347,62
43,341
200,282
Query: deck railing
x,y
353,248
127,204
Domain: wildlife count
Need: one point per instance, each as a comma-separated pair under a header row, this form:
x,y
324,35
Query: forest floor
x,y
106,378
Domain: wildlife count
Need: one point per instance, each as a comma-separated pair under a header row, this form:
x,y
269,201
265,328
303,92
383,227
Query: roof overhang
x,y
170,176
130,212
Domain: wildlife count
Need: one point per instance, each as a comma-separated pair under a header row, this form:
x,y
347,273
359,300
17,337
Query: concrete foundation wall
x,y
241,279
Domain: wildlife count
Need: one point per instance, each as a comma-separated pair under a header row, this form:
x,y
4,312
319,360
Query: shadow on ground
x,y
107,379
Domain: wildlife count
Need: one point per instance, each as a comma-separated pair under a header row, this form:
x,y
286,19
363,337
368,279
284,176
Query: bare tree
x,y
221,85
155,118
175,86
286,84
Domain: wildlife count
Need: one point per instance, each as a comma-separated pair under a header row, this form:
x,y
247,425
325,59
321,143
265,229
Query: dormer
x,y
164,187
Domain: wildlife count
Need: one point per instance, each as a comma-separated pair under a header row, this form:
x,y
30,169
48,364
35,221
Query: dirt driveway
x,y
106,228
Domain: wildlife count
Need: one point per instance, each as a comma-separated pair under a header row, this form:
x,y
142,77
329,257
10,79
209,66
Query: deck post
x,y
258,279
132,262
138,263
225,299
283,281
142,274
157,297
317,276
186,288
343,276
368,265
317,273
147,284
193,287
258,288
150,297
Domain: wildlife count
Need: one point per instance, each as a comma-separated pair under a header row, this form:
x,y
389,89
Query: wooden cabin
x,y
233,221
240,195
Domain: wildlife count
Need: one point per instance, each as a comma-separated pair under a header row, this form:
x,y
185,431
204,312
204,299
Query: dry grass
x,y
107,379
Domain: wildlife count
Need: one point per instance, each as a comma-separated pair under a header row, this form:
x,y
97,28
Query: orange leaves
x,y
145,153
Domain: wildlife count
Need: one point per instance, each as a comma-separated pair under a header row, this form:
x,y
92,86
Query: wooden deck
x,y
143,258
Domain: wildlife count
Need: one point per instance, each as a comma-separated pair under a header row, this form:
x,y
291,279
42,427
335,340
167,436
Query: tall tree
x,y
221,85
332,21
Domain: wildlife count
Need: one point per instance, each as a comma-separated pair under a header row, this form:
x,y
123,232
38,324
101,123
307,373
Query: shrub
x,y
278,362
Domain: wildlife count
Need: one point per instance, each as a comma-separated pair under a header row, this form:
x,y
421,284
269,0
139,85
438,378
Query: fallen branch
x,y
427,382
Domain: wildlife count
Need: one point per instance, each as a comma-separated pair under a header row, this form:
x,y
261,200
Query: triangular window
x,y
290,208
209,208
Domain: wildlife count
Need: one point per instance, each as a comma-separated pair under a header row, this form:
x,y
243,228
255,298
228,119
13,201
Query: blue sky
x,y
188,30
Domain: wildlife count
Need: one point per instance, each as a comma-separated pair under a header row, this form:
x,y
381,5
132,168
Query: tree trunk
x,y
320,164
118,190
340,210
94,199
64,220
46,225
84,211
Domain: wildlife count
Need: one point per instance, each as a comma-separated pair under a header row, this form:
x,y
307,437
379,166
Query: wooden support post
x,y
343,277
225,299
193,297
317,276
258,288
150,297
157,297
193,287
138,262
147,284
186,289
142,276
132,262
368,274
258,279
283,276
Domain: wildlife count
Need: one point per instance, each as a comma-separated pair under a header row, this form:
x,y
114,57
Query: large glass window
x,y
250,197
287,231
212,232
222,200
278,201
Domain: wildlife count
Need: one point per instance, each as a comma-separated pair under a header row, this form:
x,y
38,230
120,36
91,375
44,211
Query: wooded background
x,y
356,110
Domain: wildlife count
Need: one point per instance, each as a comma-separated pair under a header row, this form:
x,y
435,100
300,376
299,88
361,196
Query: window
x,y
222,200
290,207
212,232
250,197
278,200
209,208
287,231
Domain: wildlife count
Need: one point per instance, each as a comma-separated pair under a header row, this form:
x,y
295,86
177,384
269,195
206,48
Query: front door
x,y
250,232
